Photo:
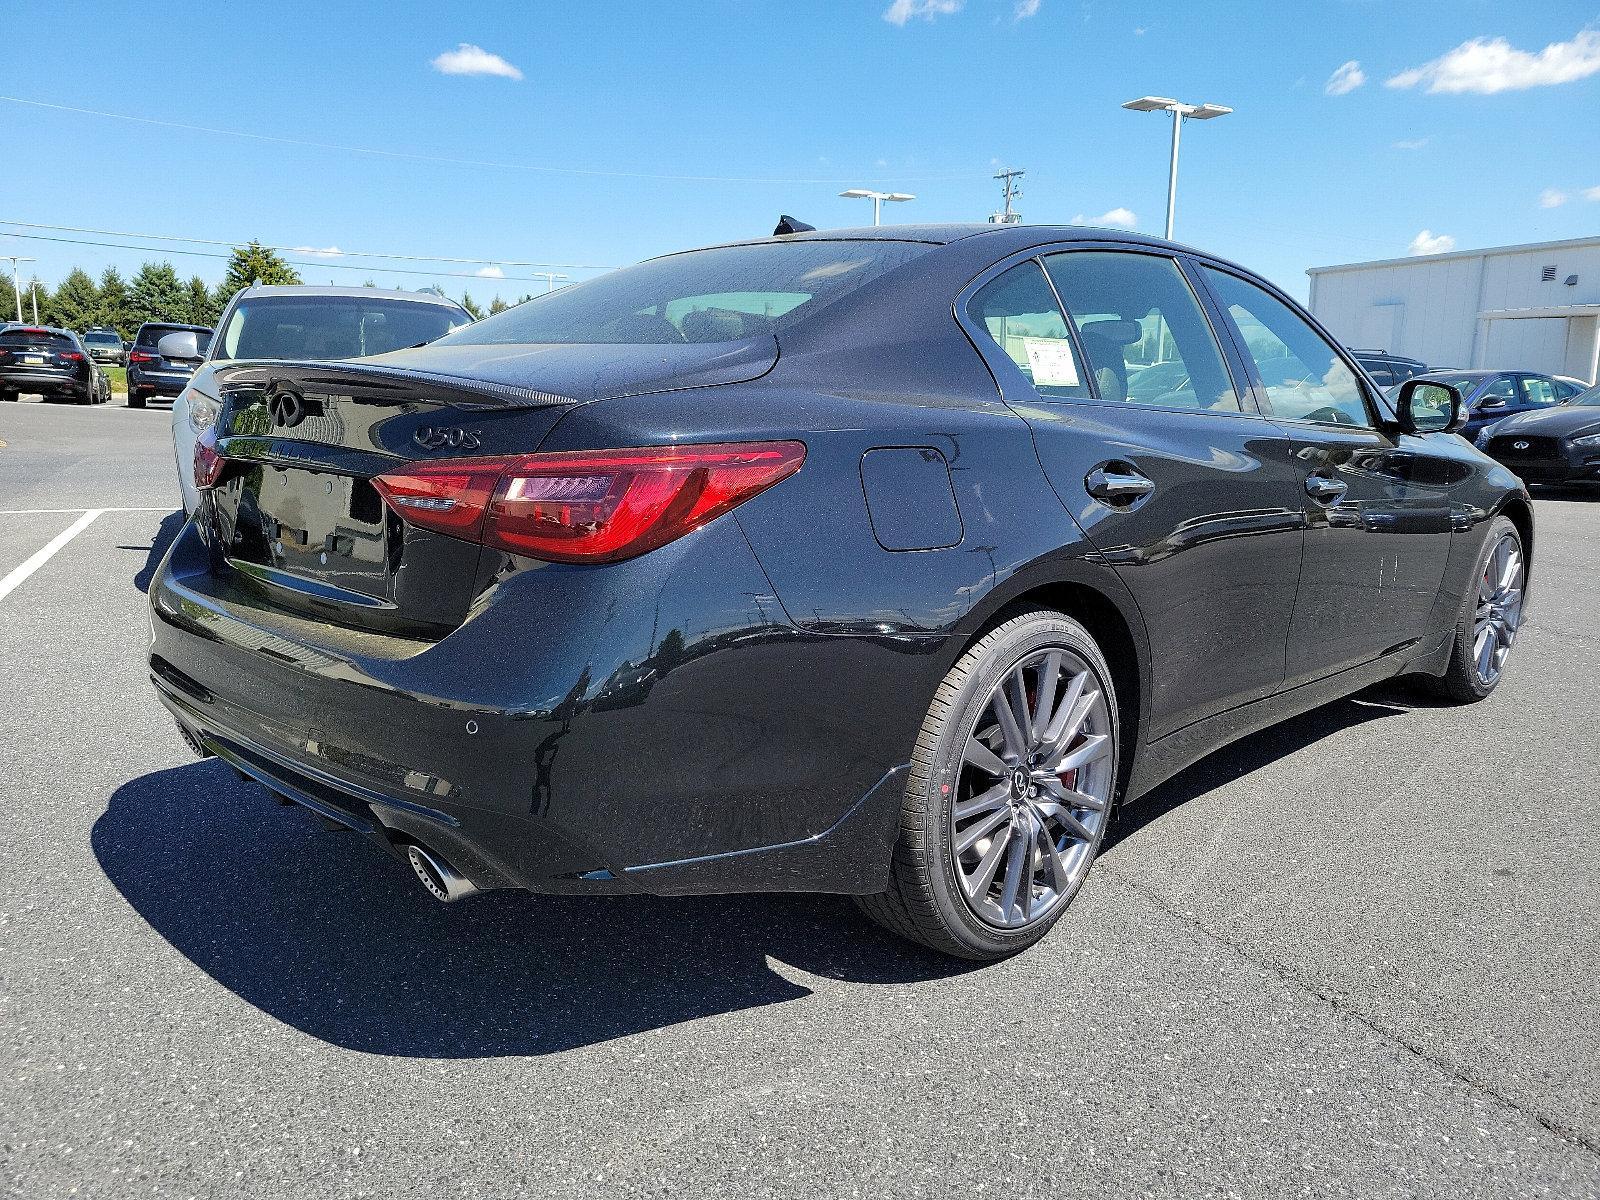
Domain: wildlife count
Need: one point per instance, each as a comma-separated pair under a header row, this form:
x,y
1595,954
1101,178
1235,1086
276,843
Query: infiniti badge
x,y
287,408
1519,445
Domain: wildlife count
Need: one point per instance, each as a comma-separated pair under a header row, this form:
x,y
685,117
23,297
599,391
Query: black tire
x,y
924,901
135,401
1462,681
87,395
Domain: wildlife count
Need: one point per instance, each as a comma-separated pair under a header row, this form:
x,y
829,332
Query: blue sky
x,y
775,107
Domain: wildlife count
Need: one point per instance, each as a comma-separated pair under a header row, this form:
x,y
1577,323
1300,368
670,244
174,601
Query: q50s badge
x,y
445,437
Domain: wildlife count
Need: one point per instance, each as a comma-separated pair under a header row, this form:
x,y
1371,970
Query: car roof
x,y
28,327
176,325
1006,237
312,289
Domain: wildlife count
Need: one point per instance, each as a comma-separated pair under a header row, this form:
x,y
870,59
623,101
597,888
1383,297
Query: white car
x,y
303,324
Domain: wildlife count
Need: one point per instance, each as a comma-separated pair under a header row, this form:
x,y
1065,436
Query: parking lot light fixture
x,y
16,286
877,199
1179,111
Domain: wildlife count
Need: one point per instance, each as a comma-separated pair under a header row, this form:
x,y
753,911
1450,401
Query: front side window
x,y
1304,377
1021,314
1536,389
331,327
727,293
1146,336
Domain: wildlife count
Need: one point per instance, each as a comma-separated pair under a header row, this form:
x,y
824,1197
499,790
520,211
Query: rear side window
x,y
1304,377
1021,314
331,327
1146,336
1539,390
727,293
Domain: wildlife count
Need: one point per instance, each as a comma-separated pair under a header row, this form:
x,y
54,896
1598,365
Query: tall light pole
x,y
1179,111
549,278
16,286
877,199
33,295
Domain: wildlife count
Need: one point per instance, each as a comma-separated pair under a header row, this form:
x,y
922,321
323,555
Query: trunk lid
x,y
294,517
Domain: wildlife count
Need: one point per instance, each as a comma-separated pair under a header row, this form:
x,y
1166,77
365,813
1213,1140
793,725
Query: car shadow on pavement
x,y
1251,753
326,932
159,541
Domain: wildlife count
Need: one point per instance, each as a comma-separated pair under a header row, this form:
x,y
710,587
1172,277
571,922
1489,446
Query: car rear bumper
x,y
568,742
30,379
157,384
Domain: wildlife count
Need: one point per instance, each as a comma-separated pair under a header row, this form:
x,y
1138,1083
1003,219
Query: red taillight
x,y
587,506
141,356
207,462
72,356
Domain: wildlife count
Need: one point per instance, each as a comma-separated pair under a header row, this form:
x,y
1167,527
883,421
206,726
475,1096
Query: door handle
x,y
1118,487
1325,490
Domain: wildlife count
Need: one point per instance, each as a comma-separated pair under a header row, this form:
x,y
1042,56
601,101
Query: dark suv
x,y
150,375
1387,369
105,345
43,360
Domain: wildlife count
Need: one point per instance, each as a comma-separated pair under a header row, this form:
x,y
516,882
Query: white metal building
x,y
1529,308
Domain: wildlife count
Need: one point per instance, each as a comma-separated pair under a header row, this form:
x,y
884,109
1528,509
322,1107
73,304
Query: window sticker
x,y
1051,361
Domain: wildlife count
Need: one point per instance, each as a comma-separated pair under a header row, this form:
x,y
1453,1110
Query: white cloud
x,y
1025,9
1411,143
1591,193
489,273
1489,65
1117,218
467,59
1553,198
1345,80
1428,242
324,252
902,11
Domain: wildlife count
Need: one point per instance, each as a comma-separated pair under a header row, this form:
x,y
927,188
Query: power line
x,y
435,158
39,237
330,253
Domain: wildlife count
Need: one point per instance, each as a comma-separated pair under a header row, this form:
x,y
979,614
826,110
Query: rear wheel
x,y
1009,794
1487,627
135,401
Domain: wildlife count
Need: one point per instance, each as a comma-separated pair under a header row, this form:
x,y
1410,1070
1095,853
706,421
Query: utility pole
x,y
16,286
1009,189
549,278
33,294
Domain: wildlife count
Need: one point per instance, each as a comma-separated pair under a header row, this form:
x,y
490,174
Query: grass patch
x,y
118,377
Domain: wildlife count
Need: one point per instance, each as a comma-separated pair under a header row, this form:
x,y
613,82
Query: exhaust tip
x,y
193,742
442,880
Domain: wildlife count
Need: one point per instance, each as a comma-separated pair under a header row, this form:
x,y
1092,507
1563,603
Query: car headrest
x,y
1118,333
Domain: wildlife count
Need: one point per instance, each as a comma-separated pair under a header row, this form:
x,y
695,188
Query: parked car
x,y
1489,396
44,360
105,345
1389,370
840,562
152,374
1555,445
303,323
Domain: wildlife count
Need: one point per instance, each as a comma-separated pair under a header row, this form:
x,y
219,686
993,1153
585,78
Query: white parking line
x,y
34,512
14,580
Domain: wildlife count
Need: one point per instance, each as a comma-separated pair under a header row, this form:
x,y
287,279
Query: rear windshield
x,y
324,327
35,337
718,295
150,335
102,339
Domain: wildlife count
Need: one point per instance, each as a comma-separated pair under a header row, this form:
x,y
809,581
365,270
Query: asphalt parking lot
x,y
1358,954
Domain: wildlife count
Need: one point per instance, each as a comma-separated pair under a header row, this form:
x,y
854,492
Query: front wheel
x,y
1490,619
1010,792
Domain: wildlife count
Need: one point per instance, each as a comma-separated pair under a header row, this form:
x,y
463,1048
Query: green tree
x,y
113,308
200,307
75,304
497,305
157,295
473,310
255,263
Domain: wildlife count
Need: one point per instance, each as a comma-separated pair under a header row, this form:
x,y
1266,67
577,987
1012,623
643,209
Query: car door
x,y
1495,398
1147,437
1376,511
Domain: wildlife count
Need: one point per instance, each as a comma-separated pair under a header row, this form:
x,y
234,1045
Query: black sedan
x,y
1552,445
858,561
43,360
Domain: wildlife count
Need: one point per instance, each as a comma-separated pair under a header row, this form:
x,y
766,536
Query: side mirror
x,y
1424,406
1492,402
182,344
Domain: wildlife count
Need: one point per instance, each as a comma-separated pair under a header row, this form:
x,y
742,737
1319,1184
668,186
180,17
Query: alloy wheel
x,y
1034,790
1499,612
